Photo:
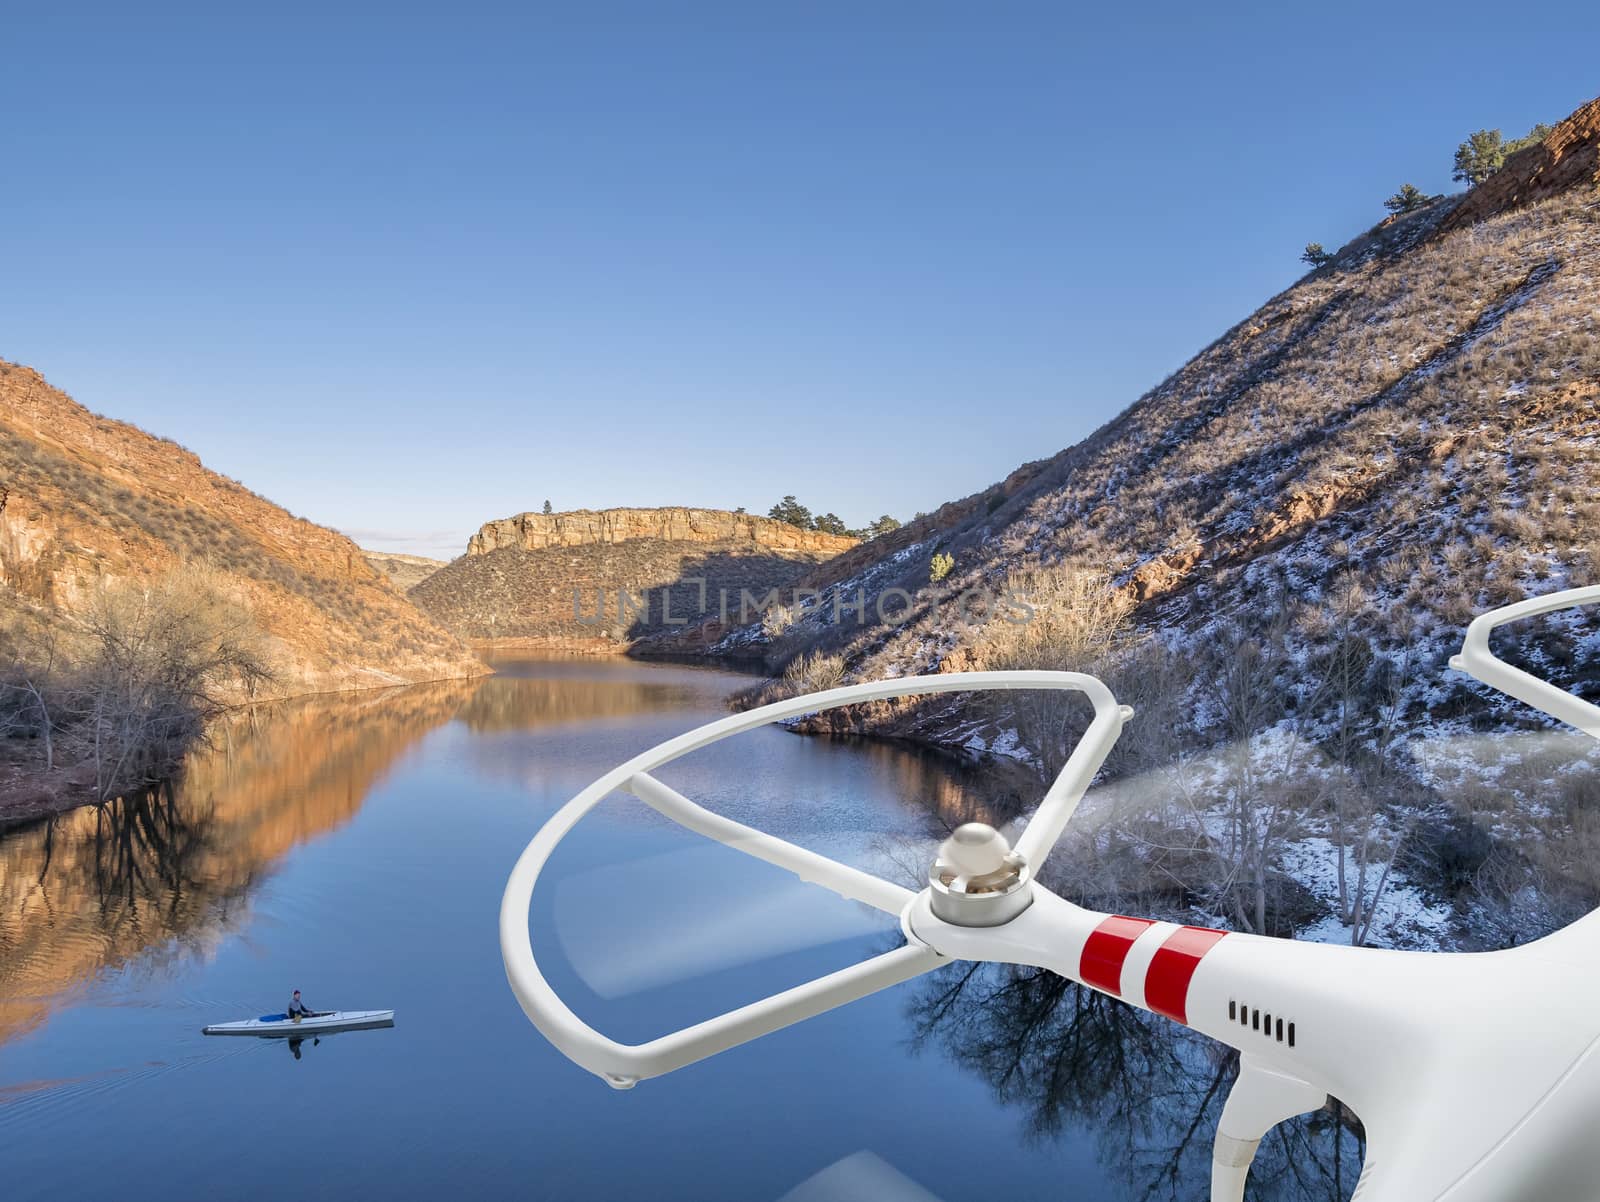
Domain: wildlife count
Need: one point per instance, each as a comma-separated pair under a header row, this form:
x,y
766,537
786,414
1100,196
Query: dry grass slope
x,y
1423,421
1271,555
88,499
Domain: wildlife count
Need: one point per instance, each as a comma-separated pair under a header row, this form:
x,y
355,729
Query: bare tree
x,y
1363,694
30,686
163,660
1251,700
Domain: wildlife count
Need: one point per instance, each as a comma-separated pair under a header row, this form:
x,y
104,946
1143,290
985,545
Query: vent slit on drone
x,y
1277,1029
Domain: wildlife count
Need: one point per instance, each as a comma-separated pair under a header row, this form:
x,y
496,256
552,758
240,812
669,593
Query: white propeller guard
x,y
1477,660
622,1065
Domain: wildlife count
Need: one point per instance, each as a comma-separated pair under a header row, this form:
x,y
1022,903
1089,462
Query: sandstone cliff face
x,y
589,527
611,580
1568,158
85,499
865,562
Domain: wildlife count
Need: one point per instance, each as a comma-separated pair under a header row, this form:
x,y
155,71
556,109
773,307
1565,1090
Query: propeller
x,y
710,910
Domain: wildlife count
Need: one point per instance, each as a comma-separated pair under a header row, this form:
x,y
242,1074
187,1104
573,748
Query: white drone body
x,y
1476,1076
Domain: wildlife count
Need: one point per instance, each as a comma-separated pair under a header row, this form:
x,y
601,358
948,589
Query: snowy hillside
x,y
1272,555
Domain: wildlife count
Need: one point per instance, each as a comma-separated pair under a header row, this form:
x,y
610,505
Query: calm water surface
x,y
355,846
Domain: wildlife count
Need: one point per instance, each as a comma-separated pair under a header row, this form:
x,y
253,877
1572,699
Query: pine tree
x,y
1409,199
1532,138
829,523
1315,255
1479,157
791,511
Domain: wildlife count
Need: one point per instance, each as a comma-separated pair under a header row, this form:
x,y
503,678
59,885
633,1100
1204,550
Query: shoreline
x,y
29,792
556,643
647,649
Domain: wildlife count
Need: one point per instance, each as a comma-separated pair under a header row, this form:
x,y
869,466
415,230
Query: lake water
x,y
355,846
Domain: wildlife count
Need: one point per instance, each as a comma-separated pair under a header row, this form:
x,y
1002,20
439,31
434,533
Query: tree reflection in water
x,y
148,854
1152,1091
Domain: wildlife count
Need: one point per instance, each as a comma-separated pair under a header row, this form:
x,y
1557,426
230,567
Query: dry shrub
x,y
1073,619
776,620
161,661
814,672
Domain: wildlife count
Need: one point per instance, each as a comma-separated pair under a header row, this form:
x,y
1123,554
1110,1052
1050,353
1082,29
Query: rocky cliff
x,y
86,500
1569,157
609,580
673,524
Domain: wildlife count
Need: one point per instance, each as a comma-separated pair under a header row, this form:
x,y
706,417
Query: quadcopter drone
x,y
1475,1075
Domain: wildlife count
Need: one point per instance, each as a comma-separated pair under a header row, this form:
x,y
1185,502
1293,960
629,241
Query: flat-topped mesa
x,y
675,523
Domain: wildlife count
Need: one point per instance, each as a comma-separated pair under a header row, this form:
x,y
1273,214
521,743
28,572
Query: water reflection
x,y
1152,1091
950,791
160,888
515,702
167,873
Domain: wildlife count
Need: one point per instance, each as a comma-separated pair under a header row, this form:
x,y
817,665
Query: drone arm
x,y
1477,660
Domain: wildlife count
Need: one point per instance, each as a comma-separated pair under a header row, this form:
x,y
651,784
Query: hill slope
x,y
85,499
1272,555
557,579
1422,415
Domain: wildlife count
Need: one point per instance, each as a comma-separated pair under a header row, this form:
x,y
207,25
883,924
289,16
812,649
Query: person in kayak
x,y
297,1008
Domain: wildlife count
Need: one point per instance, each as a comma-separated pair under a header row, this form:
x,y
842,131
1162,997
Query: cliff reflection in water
x,y
168,873
511,703
1150,1090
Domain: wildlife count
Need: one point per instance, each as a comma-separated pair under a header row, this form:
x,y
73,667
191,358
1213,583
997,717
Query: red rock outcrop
x,y
1569,157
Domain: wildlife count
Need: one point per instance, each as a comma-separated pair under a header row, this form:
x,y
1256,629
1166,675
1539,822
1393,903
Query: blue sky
x,y
404,270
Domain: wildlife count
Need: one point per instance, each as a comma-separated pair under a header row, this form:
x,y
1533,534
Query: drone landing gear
x,y
1261,1098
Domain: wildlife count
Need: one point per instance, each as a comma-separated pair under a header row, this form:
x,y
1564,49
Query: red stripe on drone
x,y
1166,986
1105,950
